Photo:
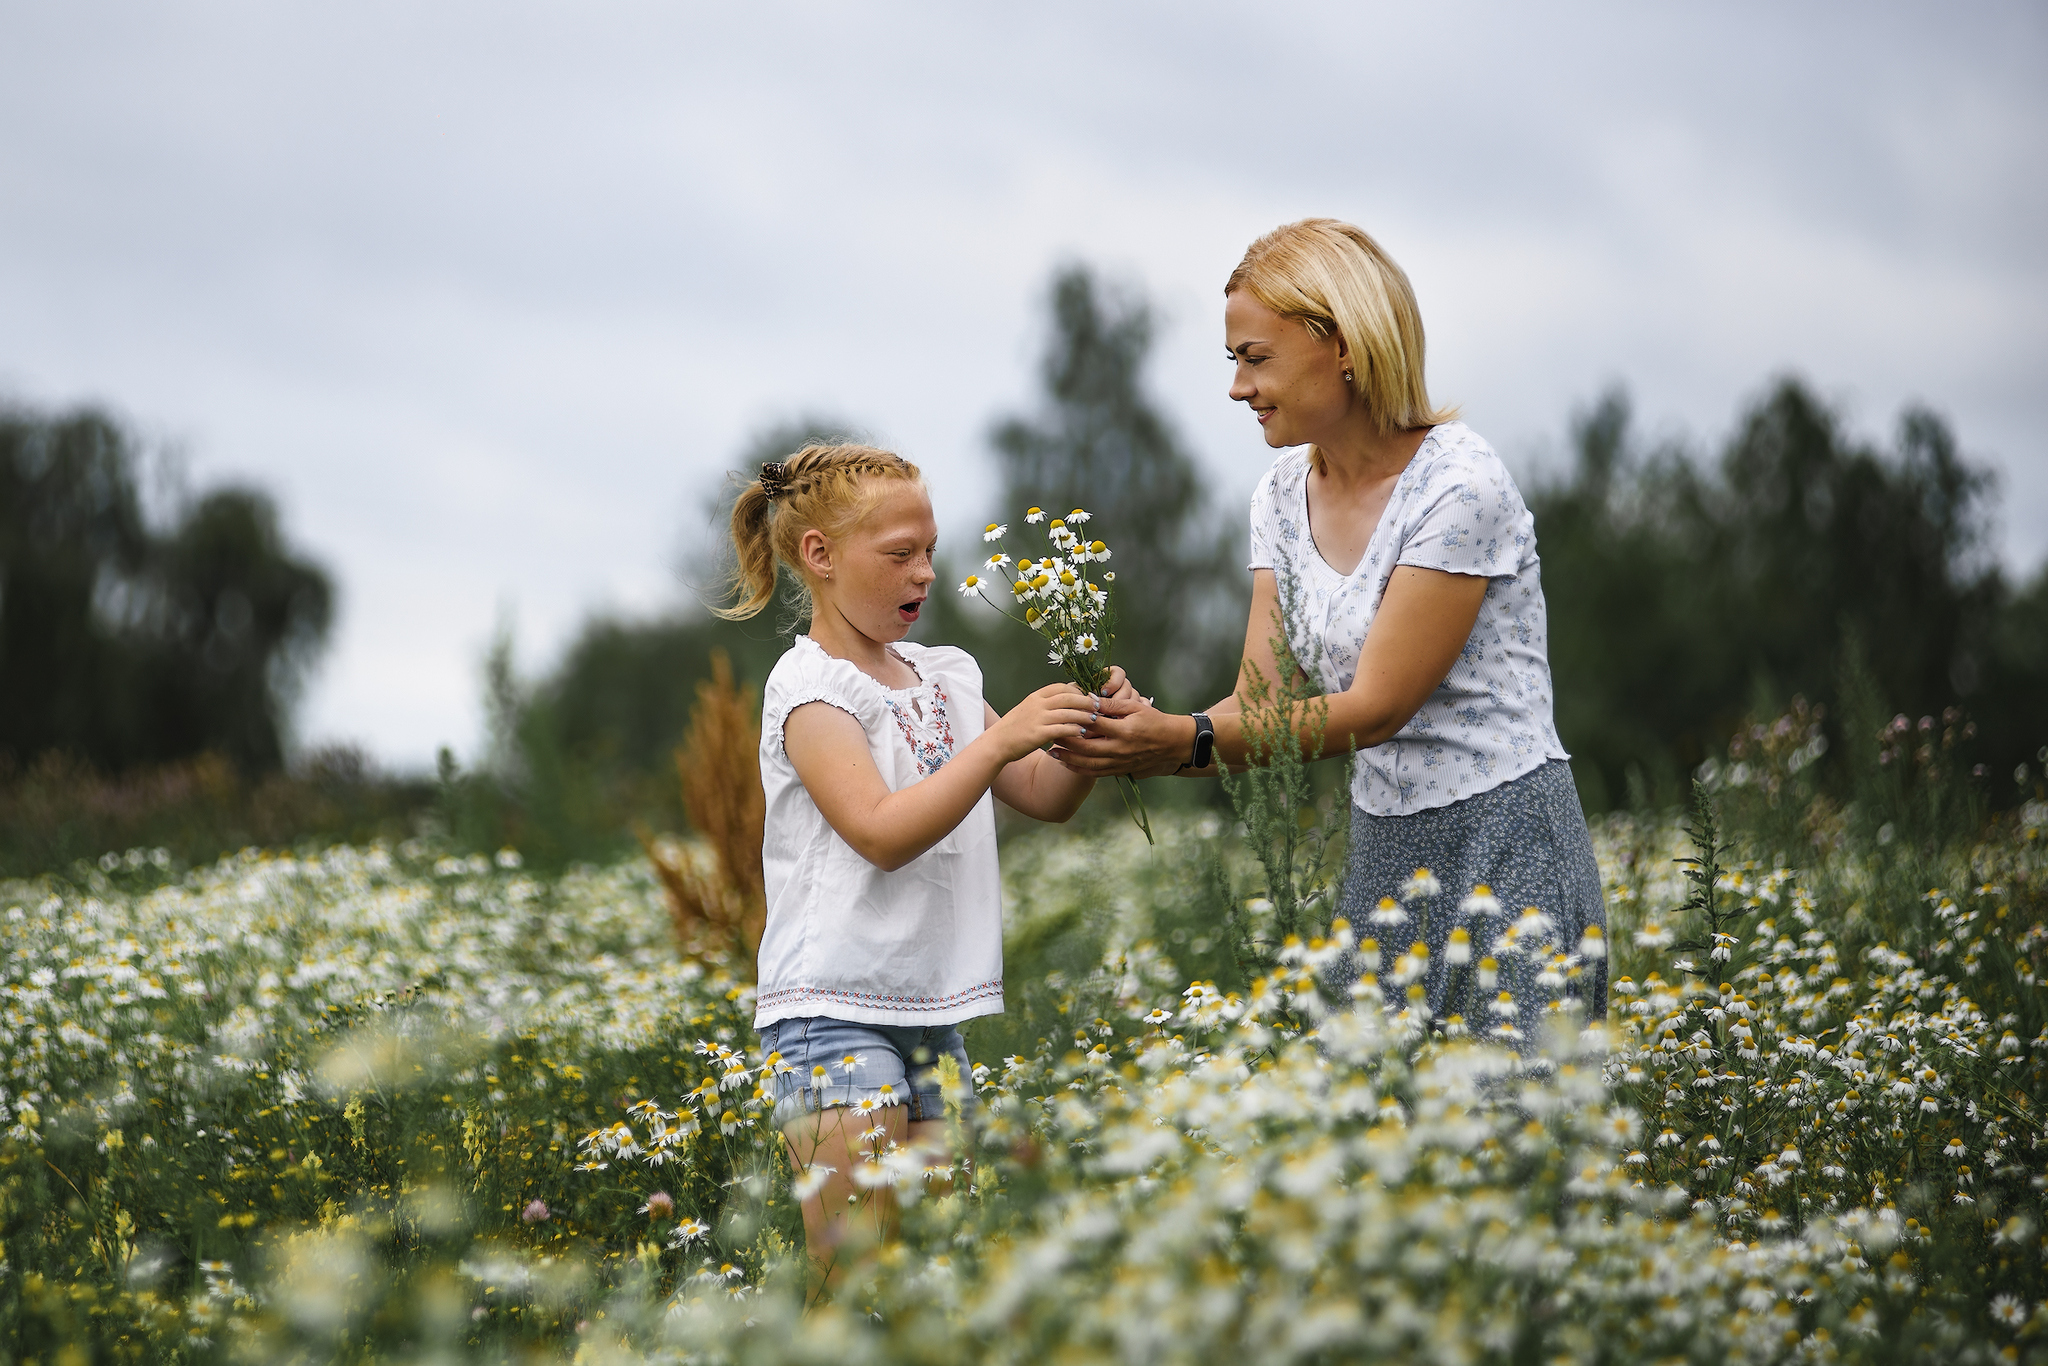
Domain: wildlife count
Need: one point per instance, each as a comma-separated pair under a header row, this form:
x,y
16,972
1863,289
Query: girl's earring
x,y
1347,377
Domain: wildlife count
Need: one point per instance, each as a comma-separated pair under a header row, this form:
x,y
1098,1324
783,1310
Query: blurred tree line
x,y
1683,595
147,672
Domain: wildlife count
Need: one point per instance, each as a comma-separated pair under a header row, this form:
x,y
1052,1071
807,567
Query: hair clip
x,y
774,480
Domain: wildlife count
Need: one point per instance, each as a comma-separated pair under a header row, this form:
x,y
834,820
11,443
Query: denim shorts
x,y
837,1062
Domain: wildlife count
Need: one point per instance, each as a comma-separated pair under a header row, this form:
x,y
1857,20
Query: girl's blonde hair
x,y
1337,281
831,488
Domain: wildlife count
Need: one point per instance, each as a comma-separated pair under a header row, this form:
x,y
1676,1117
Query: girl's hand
x,y
1120,688
1059,711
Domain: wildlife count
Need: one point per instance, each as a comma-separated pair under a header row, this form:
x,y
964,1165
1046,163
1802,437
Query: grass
x,y
385,1101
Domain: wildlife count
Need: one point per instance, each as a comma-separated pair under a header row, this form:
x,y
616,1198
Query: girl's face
x,y
877,576
1291,379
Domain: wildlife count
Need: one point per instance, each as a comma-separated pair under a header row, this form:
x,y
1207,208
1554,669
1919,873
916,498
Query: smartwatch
x,y
1205,742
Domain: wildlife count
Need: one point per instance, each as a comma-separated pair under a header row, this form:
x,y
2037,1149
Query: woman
x,y
1406,562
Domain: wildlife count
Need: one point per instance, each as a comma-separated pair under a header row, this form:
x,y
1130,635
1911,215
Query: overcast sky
x,y
490,294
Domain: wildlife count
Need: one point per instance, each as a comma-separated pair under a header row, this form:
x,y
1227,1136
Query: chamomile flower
x,y
807,1186
1481,902
994,532
1034,515
1423,884
995,562
970,586
1079,516
1085,643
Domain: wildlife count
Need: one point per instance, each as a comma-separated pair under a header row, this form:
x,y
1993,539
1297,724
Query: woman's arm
x,y
829,750
1424,620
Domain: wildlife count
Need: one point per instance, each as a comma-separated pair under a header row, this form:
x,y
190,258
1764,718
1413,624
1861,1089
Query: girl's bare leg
x,y
826,1146
840,1215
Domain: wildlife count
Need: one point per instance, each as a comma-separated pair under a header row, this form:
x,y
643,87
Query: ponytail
x,y
753,570
827,488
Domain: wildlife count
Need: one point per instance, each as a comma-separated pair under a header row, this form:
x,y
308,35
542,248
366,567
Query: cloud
x,y
490,293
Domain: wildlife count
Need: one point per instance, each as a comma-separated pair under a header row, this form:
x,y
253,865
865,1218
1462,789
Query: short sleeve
x,y
1266,521
1471,519
808,674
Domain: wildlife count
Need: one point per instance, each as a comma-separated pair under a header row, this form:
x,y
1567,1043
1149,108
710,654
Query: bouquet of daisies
x,y
1054,596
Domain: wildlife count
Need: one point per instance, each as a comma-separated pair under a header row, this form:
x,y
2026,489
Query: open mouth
x,y
908,610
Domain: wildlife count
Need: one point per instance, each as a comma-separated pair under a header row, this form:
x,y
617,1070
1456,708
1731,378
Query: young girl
x,y
878,758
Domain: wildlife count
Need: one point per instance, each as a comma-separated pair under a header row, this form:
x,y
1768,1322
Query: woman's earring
x,y
1347,377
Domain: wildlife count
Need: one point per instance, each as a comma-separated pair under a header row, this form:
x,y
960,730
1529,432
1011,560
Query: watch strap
x,y
1205,742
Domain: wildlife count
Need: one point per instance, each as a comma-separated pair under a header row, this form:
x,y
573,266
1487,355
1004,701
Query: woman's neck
x,y
1359,454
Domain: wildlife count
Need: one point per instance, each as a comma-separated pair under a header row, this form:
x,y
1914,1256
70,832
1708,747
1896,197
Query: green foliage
x,y
123,645
312,1117
316,1113
1675,593
60,812
1297,835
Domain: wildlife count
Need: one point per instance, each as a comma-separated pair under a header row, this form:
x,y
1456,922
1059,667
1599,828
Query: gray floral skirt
x,y
1527,841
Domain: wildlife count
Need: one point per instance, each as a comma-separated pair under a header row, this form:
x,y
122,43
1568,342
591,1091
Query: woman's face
x,y
880,571
1292,380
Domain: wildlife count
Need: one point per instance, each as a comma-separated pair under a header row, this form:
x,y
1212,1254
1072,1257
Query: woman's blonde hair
x,y
831,488
1337,281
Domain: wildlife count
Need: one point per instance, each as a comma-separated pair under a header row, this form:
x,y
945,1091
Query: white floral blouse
x,y
1455,508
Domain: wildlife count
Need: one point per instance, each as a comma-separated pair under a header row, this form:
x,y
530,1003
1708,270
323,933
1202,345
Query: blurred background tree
x,y
148,672
1097,441
125,645
1683,594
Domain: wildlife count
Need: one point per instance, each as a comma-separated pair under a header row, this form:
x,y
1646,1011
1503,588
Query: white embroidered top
x,y
922,945
1454,508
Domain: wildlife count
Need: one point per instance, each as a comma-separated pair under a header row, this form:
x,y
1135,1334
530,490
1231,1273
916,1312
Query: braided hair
x,y
830,488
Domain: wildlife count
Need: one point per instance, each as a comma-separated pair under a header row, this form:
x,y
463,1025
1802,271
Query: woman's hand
x,y
1131,736
1056,713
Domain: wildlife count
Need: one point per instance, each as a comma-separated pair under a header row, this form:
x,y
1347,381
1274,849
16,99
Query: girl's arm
x,y
829,750
1037,785
1424,620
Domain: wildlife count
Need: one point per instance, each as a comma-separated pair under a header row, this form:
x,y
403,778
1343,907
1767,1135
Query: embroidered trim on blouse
x,y
930,737
981,991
